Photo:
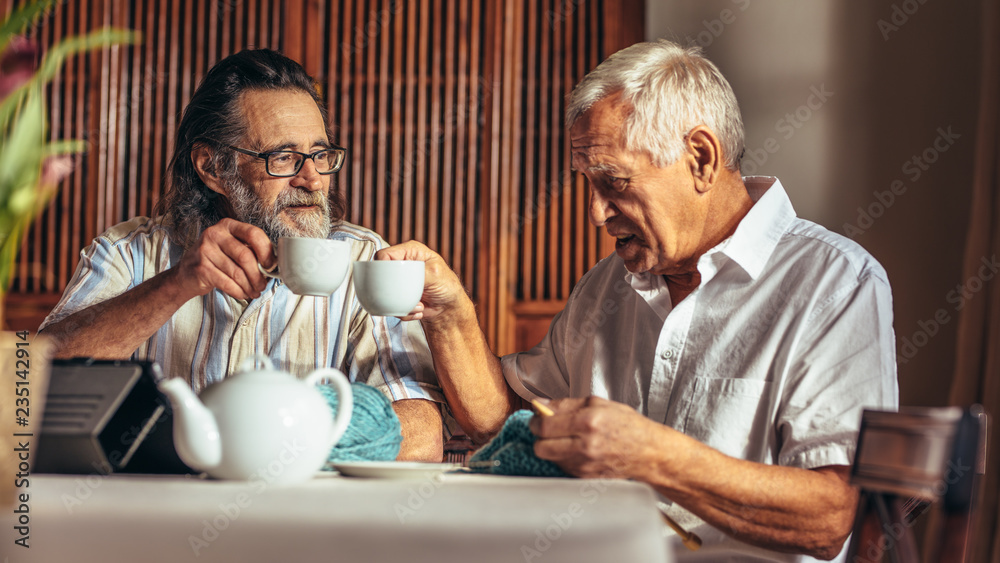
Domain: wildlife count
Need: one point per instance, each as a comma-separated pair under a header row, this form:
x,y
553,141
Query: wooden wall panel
x,y
452,113
552,45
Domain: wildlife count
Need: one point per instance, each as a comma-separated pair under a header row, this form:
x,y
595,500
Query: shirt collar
x,y
652,289
750,246
757,235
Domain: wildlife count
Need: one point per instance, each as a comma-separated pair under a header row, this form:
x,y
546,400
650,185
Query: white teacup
x,y
389,288
311,266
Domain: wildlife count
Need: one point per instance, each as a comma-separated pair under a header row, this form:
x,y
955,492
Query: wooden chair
x,y
907,461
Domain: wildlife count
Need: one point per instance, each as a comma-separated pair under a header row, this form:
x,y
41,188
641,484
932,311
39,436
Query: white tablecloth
x,y
454,517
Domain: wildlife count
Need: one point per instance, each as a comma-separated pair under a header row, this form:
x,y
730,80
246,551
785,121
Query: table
x,y
451,517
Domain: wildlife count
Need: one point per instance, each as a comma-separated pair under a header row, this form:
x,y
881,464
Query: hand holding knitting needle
x,y
690,540
596,438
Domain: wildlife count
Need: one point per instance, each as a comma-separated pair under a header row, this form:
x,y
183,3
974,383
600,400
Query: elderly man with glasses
x,y
253,162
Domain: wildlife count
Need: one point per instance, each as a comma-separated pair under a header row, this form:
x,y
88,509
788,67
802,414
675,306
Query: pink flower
x,y
55,168
17,64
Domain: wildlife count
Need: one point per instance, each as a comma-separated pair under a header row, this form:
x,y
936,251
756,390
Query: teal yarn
x,y
374,433
512,452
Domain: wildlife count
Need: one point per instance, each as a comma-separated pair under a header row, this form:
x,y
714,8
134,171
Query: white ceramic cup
x,y
311,266
389,288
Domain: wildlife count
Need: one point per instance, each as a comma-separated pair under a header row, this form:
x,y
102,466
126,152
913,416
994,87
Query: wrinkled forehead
x,y
599,131
604,119
282,117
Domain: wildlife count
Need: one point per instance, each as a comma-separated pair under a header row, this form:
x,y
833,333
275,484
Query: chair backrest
x,y
906,461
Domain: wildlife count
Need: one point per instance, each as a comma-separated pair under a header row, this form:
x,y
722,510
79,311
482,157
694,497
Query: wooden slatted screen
x,y
452,112
552,45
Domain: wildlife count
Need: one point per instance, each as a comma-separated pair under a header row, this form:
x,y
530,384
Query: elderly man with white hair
x,y
722,354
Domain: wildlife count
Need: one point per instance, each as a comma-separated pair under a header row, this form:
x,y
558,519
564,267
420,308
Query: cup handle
x,y
272,273
345,398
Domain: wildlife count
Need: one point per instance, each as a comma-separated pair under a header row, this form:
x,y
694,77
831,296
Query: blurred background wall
x,y
866,111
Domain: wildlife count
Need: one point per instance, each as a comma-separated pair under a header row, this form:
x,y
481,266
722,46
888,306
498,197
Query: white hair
x,y
671,90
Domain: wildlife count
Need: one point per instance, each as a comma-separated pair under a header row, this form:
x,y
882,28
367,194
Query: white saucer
x,y
393,469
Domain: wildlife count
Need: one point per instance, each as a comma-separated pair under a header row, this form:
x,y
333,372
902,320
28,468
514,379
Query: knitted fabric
x,y
513,448
374,433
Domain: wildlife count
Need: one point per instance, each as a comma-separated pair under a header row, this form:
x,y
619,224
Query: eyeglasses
x,y
284,164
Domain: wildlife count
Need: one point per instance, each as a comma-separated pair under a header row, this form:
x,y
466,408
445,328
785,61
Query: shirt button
x,y
667,354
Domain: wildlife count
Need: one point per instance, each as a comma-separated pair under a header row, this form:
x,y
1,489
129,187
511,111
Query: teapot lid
x,y
249,364
248,371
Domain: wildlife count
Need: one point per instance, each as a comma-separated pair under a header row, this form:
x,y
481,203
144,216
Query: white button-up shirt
x,y
771,359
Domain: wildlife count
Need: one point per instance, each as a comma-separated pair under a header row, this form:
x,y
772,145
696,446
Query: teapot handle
x,y
345,400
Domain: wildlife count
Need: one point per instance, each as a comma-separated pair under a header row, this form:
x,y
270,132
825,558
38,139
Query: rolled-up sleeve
x,y
846,363
539,373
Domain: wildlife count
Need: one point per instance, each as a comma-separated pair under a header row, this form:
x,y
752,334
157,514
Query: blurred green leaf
x,y
9,106
23,130
23,17
9,247
101,38
55,58
21,159
22,200
64,146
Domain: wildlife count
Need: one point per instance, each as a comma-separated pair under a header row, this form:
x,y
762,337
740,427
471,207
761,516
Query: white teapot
x,y
259,424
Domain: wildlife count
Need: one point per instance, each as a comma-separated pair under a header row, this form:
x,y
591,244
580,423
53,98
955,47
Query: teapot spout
x,y
196,434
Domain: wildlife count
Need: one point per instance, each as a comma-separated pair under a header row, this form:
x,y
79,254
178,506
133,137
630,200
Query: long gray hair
x,y
214,118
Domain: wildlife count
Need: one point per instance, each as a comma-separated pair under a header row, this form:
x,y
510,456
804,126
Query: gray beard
x,y
249,208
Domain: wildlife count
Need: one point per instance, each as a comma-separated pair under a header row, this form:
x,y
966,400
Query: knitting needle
x,y
690,540
541,408
487,463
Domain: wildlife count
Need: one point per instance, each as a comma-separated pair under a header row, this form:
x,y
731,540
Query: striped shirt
x,y
209,336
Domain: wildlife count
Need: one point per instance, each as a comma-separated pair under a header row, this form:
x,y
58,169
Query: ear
x,y
201,158
705,157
